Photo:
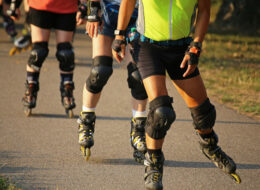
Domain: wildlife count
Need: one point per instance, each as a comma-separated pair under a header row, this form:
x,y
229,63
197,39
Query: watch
x,y
120,32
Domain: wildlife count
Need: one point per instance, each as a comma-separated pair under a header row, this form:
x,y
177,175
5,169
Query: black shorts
x,y
156,60
48,20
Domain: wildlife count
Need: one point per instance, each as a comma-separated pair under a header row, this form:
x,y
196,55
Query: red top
x,y
56,6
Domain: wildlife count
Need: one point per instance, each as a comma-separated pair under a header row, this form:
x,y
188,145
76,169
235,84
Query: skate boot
x,y
214,153
67,99
22,44
30,97
153,171
86,129
137,138
9,27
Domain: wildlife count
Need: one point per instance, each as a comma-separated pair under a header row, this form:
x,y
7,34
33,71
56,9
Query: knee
x,y
204,116
65,55
99,74
135,82
38,54
160,117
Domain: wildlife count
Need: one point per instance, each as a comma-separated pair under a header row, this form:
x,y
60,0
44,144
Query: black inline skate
x,y
137,138
214,153
86,130
67,99
30,97
153,171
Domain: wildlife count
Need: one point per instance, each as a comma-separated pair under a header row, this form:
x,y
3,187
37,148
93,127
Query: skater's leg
x,y
37,56
100,72
65,56
204,115
161,116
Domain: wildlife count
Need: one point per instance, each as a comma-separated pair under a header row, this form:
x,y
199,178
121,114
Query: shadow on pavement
x,y
61,116
168,163
224,122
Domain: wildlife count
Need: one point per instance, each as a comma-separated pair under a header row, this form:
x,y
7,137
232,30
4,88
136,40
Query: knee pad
x,y
135,82
99,74
38,54
204,116
161,116
65,55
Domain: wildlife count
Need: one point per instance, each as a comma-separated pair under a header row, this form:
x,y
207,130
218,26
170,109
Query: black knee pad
x,y
65,55
38,54
161,116
135,82
99,74
204,116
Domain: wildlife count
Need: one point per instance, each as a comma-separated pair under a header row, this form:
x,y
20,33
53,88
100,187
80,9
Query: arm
x,y
82,12
14,11
125,12
201,28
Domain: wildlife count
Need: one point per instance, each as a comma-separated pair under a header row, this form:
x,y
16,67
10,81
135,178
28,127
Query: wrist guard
x,y
116,45
94,8
194,51
13,6
83,9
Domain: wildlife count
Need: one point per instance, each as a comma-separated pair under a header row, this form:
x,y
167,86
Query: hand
x,y
118,48
92,28
16,16
79,19
191,67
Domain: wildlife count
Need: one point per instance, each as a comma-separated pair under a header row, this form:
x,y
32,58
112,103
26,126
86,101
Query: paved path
x,y
41,152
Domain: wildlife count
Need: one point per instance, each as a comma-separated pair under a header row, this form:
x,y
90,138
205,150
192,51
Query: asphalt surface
x,y
41,152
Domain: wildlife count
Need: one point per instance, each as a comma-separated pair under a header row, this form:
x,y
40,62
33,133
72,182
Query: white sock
x,y
139,114
86,109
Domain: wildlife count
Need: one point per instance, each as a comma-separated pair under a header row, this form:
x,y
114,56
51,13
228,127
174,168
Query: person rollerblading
x,y
30,97
208,144
67,99
153,171
86,130
137,138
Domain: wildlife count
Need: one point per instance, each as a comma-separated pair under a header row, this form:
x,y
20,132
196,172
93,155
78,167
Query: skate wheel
x,y
70,113
28,112
236,178
85,152
88,153
14,51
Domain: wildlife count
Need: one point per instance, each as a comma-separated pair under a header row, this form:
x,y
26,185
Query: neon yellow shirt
x,y
162,20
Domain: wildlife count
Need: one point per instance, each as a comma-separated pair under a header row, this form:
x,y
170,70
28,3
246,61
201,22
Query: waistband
x,y
179,42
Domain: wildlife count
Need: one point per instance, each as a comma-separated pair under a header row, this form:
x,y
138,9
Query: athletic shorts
x,y
153,59
49,20
109,17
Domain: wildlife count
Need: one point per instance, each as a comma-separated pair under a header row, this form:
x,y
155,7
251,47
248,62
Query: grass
x,y
6,185
230,66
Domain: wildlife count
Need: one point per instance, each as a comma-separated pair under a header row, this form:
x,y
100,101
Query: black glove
x,y
13,6
94,8
194,51
116,45
83,9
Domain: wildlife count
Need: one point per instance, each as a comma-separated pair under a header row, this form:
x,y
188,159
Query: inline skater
x,y
102,37
24,42
165,45
43,16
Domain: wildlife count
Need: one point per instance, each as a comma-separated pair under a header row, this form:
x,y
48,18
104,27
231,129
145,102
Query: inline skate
x,y
137,138
86,130
213,152
67,99
30,97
